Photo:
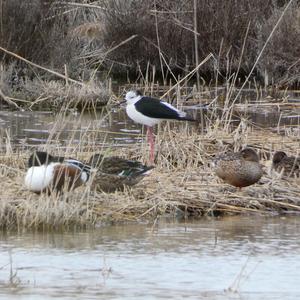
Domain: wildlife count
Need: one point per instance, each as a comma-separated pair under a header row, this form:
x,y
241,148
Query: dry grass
x,y
94,37
182,184
57,94
75,40
38,93
48,33
166,37
282,65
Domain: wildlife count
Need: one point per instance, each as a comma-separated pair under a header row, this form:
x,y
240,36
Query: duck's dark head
x,y
249,155
278,157
96,160
39,158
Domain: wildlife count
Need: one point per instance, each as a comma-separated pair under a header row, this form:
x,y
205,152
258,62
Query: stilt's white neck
x,y
131,97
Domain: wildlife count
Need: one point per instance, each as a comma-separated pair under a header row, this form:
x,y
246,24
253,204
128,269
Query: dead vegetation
x,y
182,184
43,49
73,41
166,34
36,93
116,38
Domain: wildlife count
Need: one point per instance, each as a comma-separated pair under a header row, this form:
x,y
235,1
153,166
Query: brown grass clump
x,y
51,94
181,185
57,94
89,31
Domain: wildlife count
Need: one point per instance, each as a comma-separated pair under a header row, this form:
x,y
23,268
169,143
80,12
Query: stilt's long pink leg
x,y
151,142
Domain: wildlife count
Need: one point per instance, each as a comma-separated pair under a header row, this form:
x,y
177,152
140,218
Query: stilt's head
x,y
133,96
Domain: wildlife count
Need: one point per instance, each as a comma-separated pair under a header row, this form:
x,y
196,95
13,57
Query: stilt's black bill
x,y
118,104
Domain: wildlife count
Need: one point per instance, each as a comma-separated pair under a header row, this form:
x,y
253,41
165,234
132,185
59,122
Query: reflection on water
x,y
230,258
34,128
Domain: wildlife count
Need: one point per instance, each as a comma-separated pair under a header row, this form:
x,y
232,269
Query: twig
x,y
40,67
158,44
191,73
7,99
112,49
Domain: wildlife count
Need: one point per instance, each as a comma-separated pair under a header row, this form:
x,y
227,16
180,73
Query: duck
x,y
151,111
115,173
47,173
239,169
287,165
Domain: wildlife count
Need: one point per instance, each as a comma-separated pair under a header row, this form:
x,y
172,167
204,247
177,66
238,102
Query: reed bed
x,y
106,36
182,184
20,90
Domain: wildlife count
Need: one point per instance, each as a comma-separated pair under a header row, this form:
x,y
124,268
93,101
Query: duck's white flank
x,y
84,177
39,178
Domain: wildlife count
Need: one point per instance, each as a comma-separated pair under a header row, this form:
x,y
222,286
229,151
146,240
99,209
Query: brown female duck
x,y
288,165
239,169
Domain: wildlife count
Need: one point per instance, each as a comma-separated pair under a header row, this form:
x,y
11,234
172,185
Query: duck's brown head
x,y
96,160
278,157
249,155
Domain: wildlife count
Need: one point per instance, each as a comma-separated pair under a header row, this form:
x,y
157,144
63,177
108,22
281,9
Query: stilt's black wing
x,y
154,108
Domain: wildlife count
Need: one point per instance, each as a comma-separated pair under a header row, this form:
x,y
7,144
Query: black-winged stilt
x,y
151,111
47,173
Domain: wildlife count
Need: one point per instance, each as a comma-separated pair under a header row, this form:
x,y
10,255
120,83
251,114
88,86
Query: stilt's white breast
x,y
39,178
138,117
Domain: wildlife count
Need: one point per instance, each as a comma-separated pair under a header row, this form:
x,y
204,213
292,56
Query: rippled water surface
x,y
35,128
24,129
229,258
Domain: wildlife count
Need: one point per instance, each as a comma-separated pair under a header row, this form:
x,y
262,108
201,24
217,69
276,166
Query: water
x,y
228,258
25,129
